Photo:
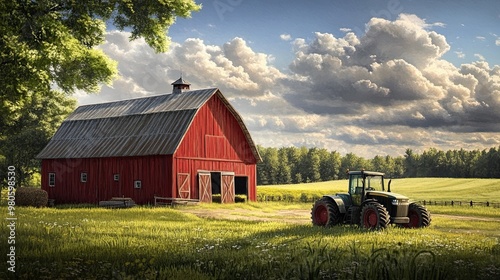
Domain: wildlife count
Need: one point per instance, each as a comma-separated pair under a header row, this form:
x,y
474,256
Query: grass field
x,y
435,189
270,240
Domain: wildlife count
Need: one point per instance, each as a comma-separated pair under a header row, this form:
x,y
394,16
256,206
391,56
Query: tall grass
x,y
163,243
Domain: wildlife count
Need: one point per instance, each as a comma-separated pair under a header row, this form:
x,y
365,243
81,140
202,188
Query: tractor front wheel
x,y
374,216
325,213
419,216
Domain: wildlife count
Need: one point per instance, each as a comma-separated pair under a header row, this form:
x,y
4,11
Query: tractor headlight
x,y
395,202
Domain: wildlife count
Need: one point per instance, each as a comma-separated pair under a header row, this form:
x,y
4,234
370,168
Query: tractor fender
x,y
368,201
338,200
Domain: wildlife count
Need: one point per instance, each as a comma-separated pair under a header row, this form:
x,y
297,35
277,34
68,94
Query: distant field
x,y
435,189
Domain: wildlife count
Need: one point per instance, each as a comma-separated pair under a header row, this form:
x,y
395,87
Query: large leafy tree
x,y
48,51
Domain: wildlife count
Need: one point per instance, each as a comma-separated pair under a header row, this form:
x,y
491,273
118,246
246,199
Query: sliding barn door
x,y
227,188
205,184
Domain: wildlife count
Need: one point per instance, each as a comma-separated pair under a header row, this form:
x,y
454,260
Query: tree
x,y
312,163
329,165
353,162
302,167
30,133
261,173
294,157
48,48
283,175
411,163
270,159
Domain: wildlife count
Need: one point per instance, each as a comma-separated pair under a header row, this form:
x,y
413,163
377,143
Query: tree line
x,y
292,165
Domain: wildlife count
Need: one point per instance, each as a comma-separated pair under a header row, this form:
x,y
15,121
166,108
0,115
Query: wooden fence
x,y
461,203
308,199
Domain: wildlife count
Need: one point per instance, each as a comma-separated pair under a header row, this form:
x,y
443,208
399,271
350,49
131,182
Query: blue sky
x,y
368,77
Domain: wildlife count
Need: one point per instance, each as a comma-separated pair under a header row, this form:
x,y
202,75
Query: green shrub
x,y
31,197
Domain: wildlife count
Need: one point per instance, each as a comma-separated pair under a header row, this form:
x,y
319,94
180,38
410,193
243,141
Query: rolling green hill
x,y
435,189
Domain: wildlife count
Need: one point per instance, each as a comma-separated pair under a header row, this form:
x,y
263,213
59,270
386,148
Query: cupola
x,y
180,86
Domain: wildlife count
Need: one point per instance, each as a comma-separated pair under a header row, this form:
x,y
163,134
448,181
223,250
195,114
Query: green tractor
x,y
369,205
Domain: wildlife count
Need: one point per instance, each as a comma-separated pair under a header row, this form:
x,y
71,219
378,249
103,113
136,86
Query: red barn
x,y
188,144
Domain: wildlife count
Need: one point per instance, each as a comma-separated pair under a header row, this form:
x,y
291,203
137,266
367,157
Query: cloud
x,y
460,54
233,67
394,75
286,37
479,56
497,42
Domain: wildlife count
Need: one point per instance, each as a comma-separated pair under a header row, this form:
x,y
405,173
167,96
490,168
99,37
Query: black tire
x,y
325,213
374,216
419,216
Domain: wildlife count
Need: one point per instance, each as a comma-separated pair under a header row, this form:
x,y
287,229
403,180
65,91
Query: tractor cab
x,y
360,182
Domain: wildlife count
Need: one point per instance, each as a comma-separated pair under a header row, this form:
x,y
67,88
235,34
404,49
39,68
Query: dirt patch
x,y
288,216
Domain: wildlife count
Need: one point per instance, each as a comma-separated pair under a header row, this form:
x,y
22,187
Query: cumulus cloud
x,y
392,75
234,68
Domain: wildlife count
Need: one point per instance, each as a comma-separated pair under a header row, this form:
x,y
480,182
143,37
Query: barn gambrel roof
x,y
136,127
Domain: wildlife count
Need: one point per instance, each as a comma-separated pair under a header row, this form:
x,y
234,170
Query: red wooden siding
x,y
215,142
152,171
215,134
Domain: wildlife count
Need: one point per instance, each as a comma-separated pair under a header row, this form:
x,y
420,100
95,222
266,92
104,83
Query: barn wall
x,y
215,133
215,142
153,171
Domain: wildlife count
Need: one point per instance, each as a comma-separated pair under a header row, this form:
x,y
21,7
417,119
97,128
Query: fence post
x,y
452,203
471,204
487,204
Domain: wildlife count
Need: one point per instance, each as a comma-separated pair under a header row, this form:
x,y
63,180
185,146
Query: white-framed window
x,y
52,179
116,177
83,177
137,184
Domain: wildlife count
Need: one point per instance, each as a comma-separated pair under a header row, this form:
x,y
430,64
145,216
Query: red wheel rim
x,y
370,218
321,215
414,219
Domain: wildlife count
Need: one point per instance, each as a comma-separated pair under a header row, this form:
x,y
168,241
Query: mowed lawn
x,y
144,242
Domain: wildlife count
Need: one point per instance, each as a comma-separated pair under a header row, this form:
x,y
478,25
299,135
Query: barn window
x,y
83,177
138,184
116,177
52,179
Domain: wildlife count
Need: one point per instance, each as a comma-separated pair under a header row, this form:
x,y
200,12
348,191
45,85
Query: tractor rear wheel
x,y
374,216
419,216
325,213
